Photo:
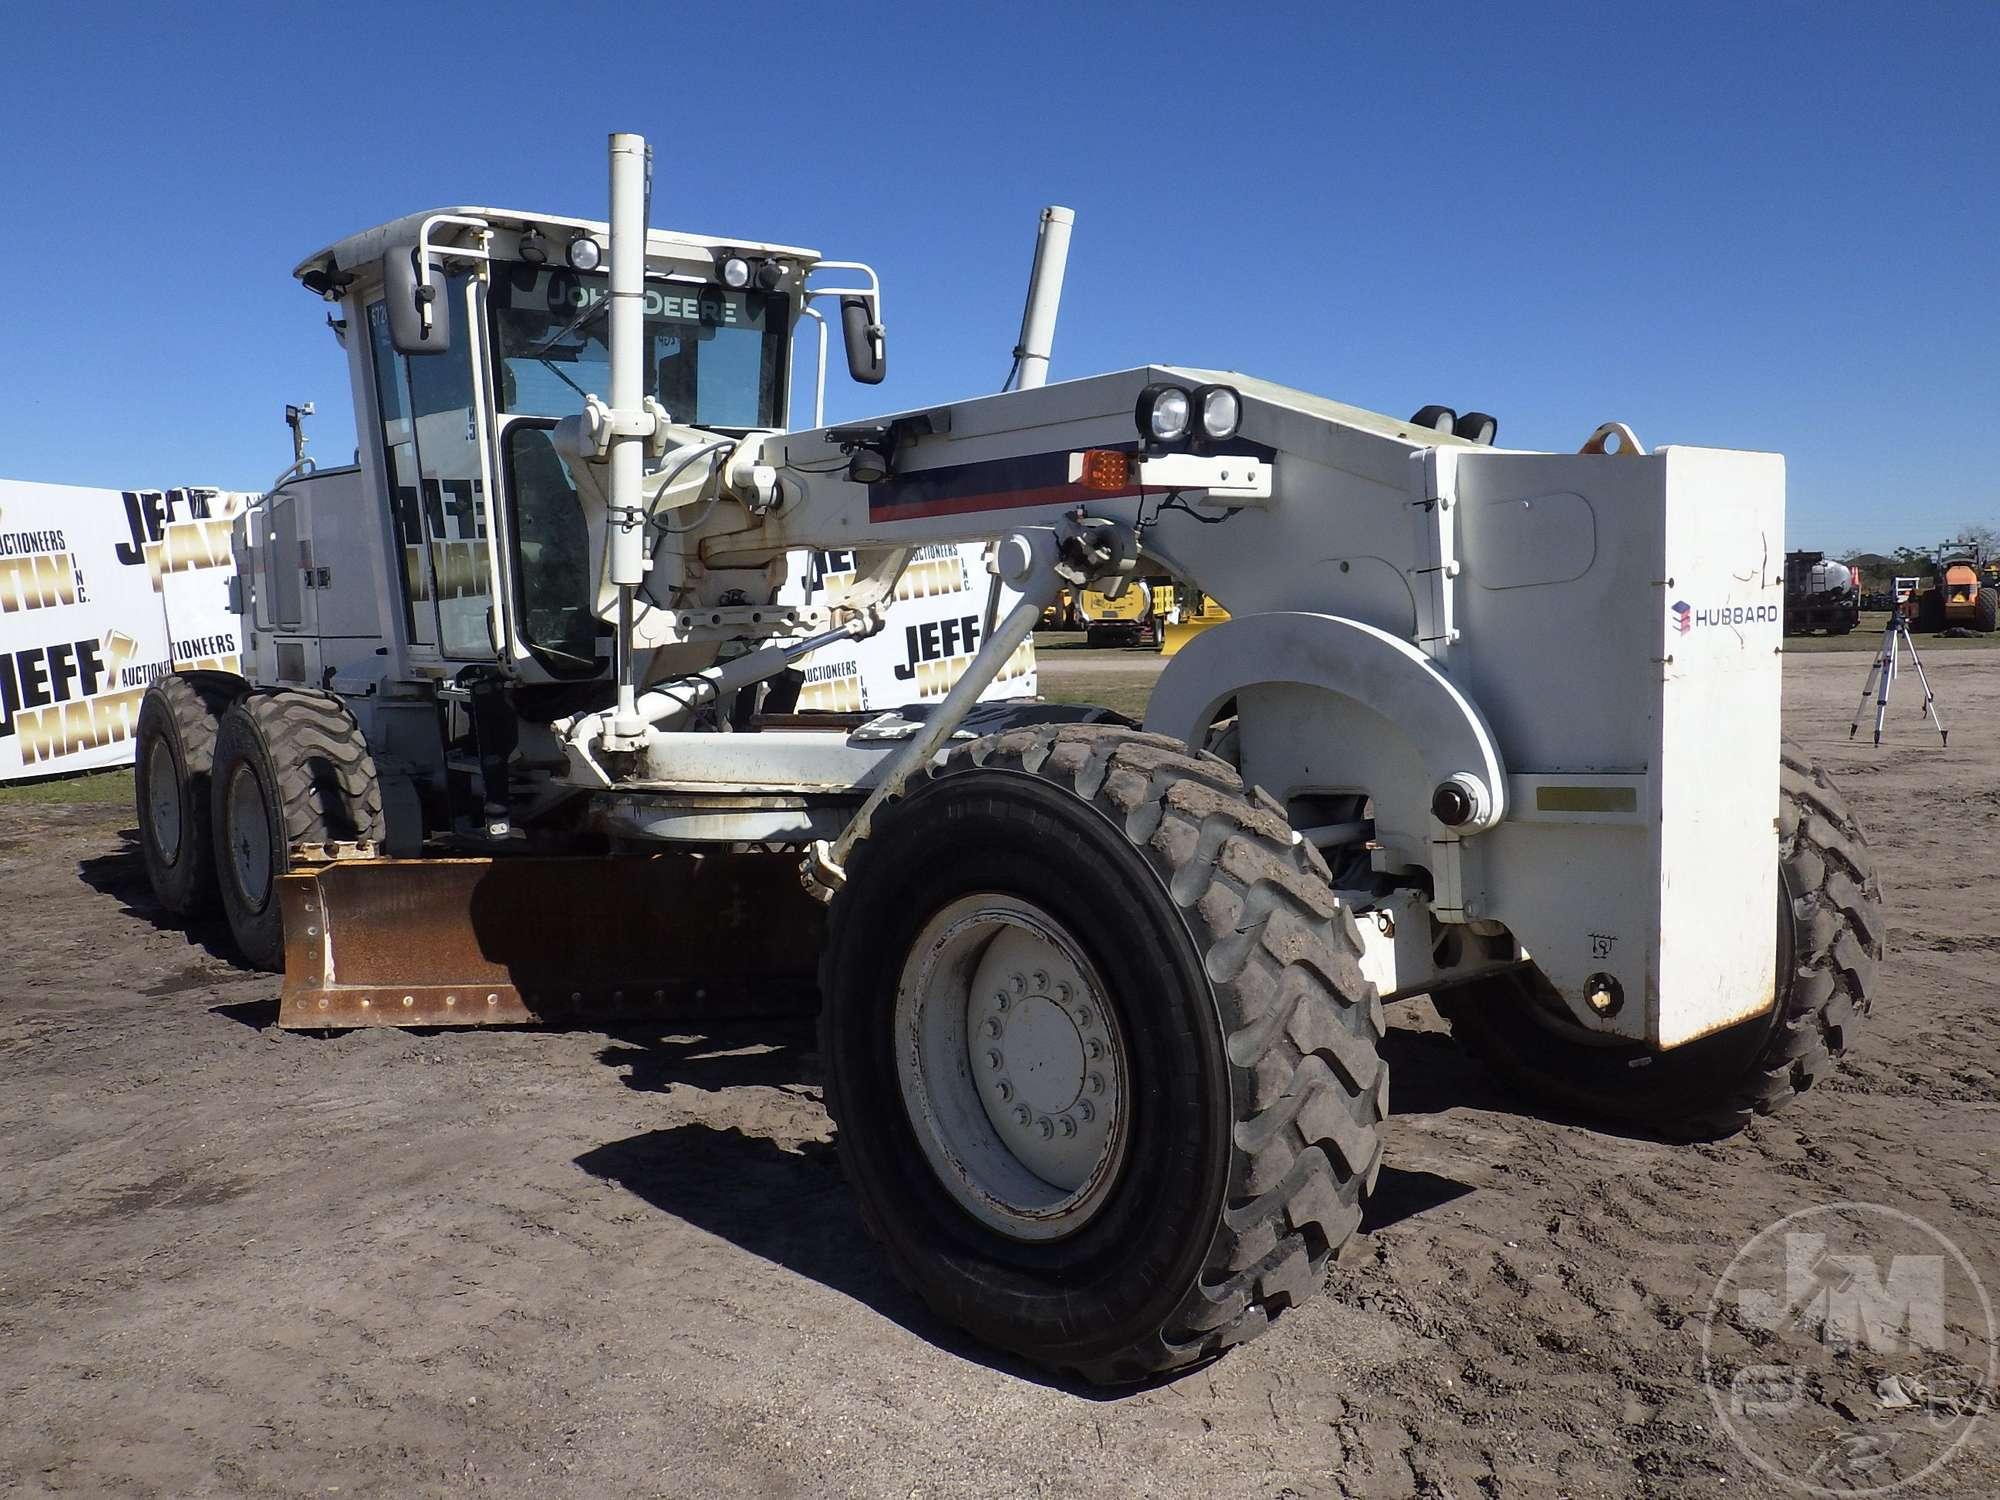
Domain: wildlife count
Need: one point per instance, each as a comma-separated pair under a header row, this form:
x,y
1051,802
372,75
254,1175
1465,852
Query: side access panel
x,y
1622,621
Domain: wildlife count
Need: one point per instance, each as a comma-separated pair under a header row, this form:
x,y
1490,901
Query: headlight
x,y
734,273
584,254
1219,410
1163,413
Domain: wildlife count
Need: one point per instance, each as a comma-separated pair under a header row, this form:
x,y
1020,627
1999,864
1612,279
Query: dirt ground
x,y
239,1261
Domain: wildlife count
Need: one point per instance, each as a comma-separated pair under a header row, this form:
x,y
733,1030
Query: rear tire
x,y
291,768
174,753
1830,929
1241,1046
1986,609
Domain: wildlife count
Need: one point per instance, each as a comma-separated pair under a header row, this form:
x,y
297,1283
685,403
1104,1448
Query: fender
x,y
1298,665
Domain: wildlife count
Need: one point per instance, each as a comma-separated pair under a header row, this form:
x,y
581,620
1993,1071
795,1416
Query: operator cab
x,y
470,332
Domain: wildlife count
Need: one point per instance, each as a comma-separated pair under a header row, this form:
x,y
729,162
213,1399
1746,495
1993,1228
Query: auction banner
x,y
934,630
101,591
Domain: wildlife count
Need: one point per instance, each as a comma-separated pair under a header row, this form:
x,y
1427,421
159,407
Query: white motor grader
x,y
1100,1004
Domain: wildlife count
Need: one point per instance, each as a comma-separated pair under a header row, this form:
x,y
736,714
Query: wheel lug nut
x,y
994,1061
1003,1091
1041,982
1048,1127
1019,983
1083,1015
1022,1114
994,1025
1096,1083
1002,1000
1085,1111
1063,992
1068,1126
1096,1049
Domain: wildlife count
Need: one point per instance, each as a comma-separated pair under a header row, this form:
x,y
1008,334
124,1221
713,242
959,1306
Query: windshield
x,y
713,358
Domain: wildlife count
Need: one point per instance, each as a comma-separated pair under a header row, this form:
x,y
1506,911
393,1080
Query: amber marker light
x,y
1106,469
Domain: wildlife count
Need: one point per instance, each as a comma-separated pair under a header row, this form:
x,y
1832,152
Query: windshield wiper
x,y
556,370
583,317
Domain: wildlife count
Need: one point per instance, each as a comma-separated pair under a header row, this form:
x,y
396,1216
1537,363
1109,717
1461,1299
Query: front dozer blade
x,y
526,940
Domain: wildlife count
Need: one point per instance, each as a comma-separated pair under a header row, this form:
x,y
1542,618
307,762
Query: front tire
x,y
1830,927
291,768
1166,951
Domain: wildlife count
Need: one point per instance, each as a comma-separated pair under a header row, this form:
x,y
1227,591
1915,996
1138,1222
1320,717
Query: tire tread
x,y
1302,1028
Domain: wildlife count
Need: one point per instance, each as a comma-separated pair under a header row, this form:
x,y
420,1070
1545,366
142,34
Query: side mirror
x,y
419,315
865,354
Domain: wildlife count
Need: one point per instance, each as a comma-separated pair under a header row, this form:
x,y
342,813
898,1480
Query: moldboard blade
x,y
537,940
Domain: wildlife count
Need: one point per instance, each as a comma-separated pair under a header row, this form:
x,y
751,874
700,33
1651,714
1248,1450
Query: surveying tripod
x,y
1895,637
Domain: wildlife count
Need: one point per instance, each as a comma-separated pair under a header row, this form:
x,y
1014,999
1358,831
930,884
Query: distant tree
x,y
1876,570
1986,537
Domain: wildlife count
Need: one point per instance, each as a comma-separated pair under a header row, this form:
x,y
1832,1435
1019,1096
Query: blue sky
x,y
1766,225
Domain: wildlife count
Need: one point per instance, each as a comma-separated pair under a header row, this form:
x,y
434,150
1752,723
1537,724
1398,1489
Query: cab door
x,y
433,421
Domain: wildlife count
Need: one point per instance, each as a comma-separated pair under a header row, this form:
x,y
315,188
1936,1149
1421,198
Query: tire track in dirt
x,y
239,1261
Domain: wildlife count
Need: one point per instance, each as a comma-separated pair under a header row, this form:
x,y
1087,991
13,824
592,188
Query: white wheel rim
x,y
1012,1067
248,832
163,801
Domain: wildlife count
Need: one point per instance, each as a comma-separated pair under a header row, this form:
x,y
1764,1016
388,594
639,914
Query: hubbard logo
x,y
1686,616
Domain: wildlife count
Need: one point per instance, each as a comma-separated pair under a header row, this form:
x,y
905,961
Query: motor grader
x,y
1100,1004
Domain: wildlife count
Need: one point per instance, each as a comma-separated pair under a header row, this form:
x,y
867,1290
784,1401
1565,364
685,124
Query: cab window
x,y
714,357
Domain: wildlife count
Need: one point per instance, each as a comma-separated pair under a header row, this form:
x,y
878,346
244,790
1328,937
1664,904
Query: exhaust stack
x,y
630,169
1038,318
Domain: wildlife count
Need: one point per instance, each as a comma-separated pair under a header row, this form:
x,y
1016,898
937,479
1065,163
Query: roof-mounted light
x,y
1218,413
1163,413
1477,427
733,272
584,254
534,247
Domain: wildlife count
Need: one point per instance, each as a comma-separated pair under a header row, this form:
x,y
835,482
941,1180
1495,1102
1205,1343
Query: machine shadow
x,y
1430,1073
258,1015
121,874
778,1052
791,1207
